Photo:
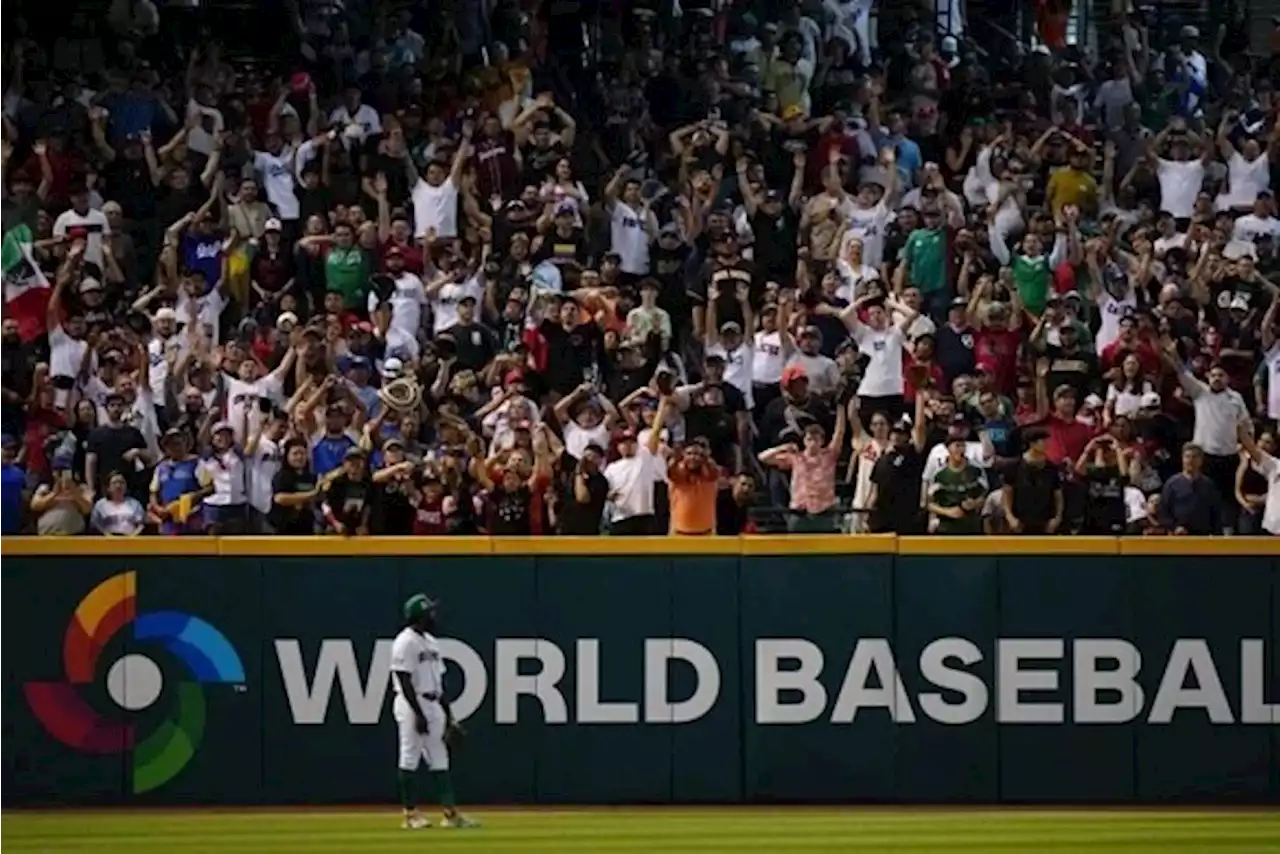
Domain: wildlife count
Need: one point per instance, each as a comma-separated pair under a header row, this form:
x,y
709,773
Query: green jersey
x,y
1031,275
347,271
925,255
952,486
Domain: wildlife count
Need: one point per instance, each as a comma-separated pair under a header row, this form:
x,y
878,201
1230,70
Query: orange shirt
x,y
693,499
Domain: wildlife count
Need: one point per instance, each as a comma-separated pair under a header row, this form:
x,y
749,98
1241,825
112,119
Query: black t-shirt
x,y
563,250
510,511
129,183
954,351
350,500
110,444
775,246
713,414
781,413
292,520
476,345
668,267
727,278
570,353
1034,487
1105,513
393,168
1078,369
393,510
896,476
540,163
731,517
579,519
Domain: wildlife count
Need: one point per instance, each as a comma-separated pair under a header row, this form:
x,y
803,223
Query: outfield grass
x,y
651,831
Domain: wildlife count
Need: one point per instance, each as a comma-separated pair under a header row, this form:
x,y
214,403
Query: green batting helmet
x,y
417,605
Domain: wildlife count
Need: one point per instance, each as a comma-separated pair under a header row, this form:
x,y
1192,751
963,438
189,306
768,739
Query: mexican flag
x,y
26,289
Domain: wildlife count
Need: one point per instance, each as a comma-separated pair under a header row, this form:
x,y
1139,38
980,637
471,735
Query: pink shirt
x,y
813,481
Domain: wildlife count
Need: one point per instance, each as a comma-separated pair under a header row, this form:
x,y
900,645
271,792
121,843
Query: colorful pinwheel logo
x,y
134,681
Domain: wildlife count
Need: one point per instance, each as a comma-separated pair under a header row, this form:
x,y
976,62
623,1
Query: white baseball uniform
x,y
418,654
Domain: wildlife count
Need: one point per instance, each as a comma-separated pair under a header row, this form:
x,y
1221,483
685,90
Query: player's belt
x,y
431,698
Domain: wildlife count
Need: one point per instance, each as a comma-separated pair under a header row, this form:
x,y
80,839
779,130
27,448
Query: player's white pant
x,y
416,746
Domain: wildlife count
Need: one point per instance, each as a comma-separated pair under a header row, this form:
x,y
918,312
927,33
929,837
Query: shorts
x,y
416,746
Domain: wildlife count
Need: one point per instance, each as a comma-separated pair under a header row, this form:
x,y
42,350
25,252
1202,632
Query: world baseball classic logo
x,y
134,681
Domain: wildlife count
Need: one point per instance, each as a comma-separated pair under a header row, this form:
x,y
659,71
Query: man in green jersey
x,y
958,490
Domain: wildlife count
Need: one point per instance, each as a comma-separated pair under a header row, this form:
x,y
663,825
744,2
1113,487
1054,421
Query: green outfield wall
x,y
801,670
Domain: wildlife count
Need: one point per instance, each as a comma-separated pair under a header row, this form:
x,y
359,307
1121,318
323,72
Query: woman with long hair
x,y
1127,389
867,448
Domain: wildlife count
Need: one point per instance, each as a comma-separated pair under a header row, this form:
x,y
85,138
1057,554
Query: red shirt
x,y
1067,439
915,371
429,517
413,261
1147,356
999,346
41,424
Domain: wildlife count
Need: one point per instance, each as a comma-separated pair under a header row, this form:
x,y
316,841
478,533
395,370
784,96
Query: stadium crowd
x,y
723,267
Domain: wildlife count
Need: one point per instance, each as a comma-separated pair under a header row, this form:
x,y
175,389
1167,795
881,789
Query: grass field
x,y
660,831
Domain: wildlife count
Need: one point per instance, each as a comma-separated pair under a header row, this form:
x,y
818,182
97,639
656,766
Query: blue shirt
x,y
174,479
203,254
329,452
14,478
130,113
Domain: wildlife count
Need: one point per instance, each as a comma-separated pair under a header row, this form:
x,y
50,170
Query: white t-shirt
x,y
444,305
208,310
1273,382
739,367
629,238
868,225
1270,469
65,353
226,472
498,423
1245,180
263,467
94,222
365,117
1180,183
631,483
767,360
883,376
117,518
278,181
406,312
158,370
200,139
1127,402
1112,311
435,207
418,654
243,396
1250,228
577,438
853,279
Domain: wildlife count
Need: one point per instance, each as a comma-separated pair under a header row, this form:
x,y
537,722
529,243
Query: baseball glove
x,y
453,733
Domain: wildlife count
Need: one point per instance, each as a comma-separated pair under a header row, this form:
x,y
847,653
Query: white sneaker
x,y
415,821
459,821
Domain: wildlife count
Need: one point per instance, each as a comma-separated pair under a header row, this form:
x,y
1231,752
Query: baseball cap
x,y
166,313
392,442
353,452
287,317
272,224
731,326
791,373
511,378
89,283
392,368
222,425
417,605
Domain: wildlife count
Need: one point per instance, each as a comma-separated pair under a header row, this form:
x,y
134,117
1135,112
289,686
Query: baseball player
x,y
423,717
